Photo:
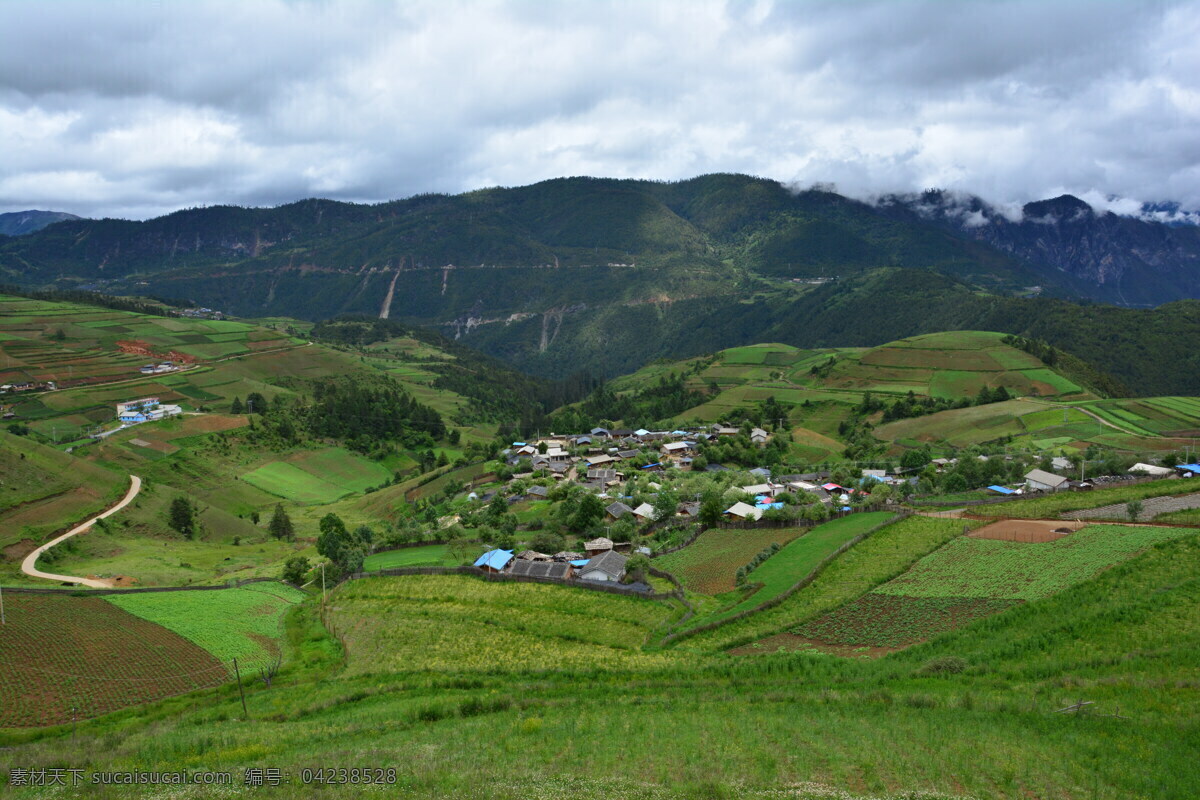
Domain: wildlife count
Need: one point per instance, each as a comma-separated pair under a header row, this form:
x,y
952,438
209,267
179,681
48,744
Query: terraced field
x,y
709,564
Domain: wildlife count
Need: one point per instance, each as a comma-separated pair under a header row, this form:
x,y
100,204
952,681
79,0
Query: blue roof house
x,y
494,560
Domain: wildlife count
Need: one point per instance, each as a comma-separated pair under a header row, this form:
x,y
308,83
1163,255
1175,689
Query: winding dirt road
x,y
28,566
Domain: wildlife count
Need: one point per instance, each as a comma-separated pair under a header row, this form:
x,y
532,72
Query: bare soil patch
x,y
1029,531
18,550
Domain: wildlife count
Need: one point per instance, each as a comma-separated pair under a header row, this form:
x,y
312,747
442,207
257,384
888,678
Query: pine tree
x,y
281,524
236,407
182,517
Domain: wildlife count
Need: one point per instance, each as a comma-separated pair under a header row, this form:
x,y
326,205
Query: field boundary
x,y
144,589
774,601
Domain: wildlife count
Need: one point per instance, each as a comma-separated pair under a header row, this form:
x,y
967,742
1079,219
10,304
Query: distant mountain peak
x,y
1063,208
19,223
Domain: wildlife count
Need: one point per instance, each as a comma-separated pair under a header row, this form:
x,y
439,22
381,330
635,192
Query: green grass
x,y
342,468
292,483
458,623
241,623
433,555
989,568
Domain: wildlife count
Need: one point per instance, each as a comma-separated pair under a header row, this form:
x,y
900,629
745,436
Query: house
x,y
617,510
567,555
723,431
557,454
645,512
597,546
1060,463
603,475
1041,481
655,467
759,436
601,433
494,560
677,448
689,509
596,461
608,566
875,474
1151,470
1188,470
743,511
527,450
542,569
537,491
621,433
533,555
627,454
759,488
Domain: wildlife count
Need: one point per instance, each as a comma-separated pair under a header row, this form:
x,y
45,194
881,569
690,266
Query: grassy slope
x,y
746,727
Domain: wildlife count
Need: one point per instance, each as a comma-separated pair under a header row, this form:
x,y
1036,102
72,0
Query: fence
x,y
1100,482
501,577
774,601
145,589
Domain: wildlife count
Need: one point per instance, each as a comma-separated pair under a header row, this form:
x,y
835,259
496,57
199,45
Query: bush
x,y
943,665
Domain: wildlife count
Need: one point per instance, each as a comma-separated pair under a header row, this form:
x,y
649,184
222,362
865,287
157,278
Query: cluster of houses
x,y
158,369
601,563
1039,480
200,313
29,386
145,410
603,450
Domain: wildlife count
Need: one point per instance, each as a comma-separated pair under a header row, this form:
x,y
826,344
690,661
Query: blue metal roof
x,y
1002,490
765,506
651,466
1189,467
580,562
496,559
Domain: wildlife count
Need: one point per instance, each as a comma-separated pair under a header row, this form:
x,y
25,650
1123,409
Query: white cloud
x,y
128,108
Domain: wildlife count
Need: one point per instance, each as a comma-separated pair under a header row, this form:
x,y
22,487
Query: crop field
x,y
709,565
452,623
972,567
878,620
1152,416
318,478
432,555
242,623
61,653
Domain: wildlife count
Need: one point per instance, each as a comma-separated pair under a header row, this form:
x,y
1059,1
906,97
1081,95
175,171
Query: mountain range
x,y
602,275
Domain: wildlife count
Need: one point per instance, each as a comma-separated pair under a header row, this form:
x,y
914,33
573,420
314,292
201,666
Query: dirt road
x,y
28,566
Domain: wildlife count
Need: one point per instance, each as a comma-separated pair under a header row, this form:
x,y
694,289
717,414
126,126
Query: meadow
x,y
318,477
432,555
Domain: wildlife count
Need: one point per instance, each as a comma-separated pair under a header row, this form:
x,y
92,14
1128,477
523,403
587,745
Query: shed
x,y
617,510
537,491
597,546
1151,469
645,512
494,560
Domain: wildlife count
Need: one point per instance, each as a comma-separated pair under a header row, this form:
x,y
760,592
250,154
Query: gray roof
x,y
539,491
541,569
1048,478
611,563
618,509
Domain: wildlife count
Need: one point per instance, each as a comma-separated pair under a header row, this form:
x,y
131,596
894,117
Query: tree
x,y
280,525
588,512
711,509
1133,509
547,542
236,406
636,569
182,517
256,403
295,569
666,502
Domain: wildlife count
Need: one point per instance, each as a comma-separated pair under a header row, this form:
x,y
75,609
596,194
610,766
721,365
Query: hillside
x,y
19,223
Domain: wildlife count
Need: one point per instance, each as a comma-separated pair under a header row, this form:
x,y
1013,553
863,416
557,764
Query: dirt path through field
x,y
29,565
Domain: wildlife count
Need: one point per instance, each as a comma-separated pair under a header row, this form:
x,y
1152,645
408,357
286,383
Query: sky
x,y
134,109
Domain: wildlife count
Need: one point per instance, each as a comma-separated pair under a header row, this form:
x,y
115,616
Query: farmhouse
x,y
759,436
1041,481
542,569
537,491
743,511
608,566
677,448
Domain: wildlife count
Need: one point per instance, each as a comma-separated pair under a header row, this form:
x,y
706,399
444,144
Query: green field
x,y
433,623
1052,505
243,623
433,555
709,564
292,483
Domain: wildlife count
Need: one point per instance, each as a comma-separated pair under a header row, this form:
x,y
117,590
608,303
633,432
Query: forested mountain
x,y
580,274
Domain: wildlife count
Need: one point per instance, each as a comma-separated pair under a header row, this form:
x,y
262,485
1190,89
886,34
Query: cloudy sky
x,y
132,109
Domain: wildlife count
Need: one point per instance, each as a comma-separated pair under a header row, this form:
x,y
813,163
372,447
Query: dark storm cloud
x,y
133,109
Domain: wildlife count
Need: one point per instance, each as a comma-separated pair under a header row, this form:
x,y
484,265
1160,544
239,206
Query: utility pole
x,y
2,621
241,691
323,598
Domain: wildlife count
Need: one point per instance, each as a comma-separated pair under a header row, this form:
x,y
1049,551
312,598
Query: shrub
x,y
943,665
